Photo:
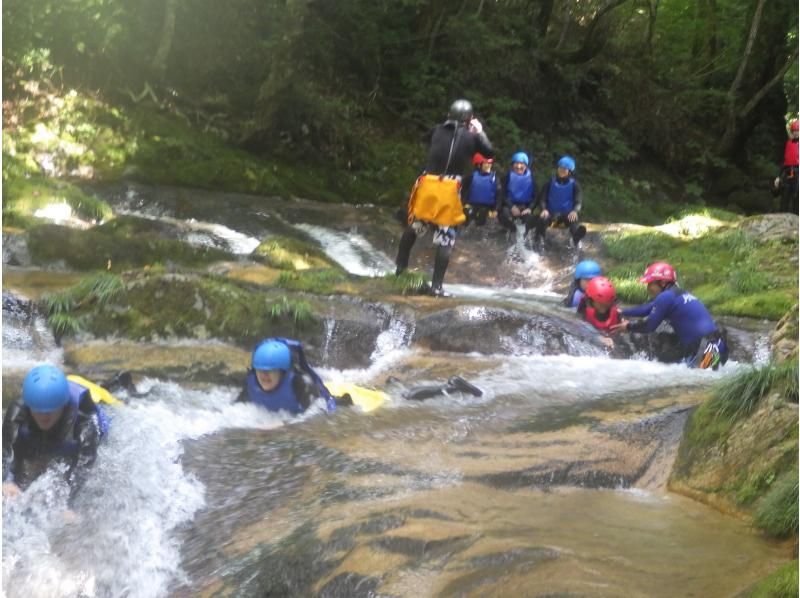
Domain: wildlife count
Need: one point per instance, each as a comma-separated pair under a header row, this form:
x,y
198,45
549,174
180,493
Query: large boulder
x,y
770,227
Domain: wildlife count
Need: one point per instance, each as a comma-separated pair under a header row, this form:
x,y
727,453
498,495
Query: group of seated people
x,y
515,197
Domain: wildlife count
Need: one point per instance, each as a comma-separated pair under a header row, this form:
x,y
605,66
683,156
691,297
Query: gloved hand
x,y
777,182
475,126
492,213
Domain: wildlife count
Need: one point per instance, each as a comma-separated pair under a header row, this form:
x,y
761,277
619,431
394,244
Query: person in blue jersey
x,y
56,419
481,191
519,192
559,201
584,272
703,342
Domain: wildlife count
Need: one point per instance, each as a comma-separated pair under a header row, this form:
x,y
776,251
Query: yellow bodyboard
x,y
99,394
364,398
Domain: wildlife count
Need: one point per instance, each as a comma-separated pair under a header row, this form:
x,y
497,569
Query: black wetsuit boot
x,y
439,268
404,251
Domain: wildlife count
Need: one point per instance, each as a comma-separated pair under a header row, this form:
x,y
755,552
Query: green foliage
x,y
99,290
299,310
408,283
739,395
321,282
777,513
730,271
781,583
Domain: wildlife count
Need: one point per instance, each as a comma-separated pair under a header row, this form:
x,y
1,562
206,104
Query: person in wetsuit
x,y
786,181
703,343
435,199
56,419
584,272
559,201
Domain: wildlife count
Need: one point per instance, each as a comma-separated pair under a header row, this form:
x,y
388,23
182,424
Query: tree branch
x,y
748,50
759,95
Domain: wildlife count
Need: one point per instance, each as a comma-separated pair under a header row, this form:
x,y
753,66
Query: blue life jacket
x,y
483,190
519,188
561,196
69,445
282,398
296,348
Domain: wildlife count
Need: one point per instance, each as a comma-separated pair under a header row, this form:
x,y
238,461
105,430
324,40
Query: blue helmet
x,y
45,389
521,157
587,269
567,162
272,354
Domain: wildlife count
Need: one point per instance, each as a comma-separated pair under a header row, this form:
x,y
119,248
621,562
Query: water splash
x,y
350,250
136,497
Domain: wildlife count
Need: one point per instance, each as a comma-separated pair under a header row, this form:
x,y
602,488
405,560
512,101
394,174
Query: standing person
x,y
482,191
520,190
786,181
560,201
56,420
703,343
435,198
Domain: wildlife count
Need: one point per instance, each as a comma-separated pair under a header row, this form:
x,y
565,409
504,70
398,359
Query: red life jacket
x,y
605,325
790,154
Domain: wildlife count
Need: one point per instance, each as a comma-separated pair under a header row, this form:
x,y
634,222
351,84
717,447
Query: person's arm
x,y
637,311
659,312
577,198
87,434
304,389
498,193
11,424
543,192
483,145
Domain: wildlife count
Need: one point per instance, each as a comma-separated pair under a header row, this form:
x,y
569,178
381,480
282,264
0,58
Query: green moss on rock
x,y
114,246
198,306
286,253
22,197
781,583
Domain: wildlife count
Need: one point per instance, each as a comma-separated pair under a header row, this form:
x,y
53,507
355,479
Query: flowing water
x,y
551,483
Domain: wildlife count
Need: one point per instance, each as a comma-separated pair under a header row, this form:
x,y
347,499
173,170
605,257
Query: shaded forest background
x,y
658,100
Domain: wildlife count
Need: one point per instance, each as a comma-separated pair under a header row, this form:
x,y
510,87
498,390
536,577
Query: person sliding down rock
x,y
281,379
55,420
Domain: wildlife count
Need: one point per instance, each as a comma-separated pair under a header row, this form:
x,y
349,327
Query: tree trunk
x,y
652,12
590,47
159,62
543,19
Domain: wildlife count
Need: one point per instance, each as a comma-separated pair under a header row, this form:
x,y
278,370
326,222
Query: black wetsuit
x,y
27,449
440,161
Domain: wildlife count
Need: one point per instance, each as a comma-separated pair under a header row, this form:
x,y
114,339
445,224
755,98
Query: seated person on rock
x,y
482,191
56,420
599,306
584,272
703,343
519,189
280,379
560,202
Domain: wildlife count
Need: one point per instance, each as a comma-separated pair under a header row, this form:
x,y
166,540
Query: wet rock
x,y
469,328
730,463
770,227
15,249
347,585
116,245
423,549
784,338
